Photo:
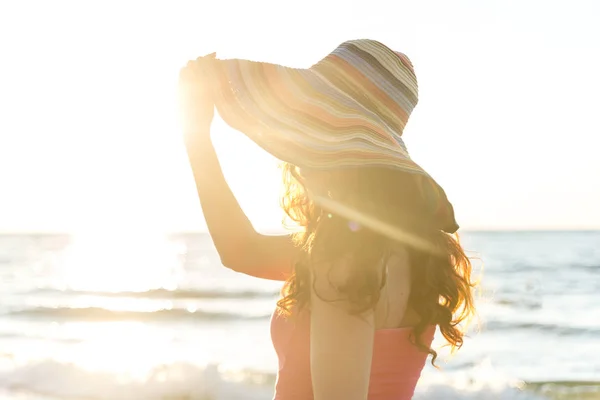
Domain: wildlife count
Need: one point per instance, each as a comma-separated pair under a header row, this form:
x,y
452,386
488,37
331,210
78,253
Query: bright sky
x,y
507,121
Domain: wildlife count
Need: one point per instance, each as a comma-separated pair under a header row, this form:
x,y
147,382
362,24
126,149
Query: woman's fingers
x,y
186,73
193,83
194,68
193,71
210,56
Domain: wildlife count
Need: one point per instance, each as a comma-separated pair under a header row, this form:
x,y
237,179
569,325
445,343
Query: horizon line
x,y
283,231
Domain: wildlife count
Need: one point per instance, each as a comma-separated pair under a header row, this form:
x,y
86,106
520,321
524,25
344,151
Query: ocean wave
x,y
192,382
566,389
22,336
103,314
590,267
560,330
520,303
167,382
165,294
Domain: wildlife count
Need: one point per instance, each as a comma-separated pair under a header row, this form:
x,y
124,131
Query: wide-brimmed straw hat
x,y
347,110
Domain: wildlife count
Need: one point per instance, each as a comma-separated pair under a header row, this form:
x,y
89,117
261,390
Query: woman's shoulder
x,y
397,256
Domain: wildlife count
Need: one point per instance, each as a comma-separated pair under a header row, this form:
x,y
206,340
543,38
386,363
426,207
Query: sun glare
x,y
120,261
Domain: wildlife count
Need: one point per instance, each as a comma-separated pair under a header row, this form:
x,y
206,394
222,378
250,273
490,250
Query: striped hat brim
x,y
299,117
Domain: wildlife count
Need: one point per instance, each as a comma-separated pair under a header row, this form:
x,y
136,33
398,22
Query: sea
x,y
135,315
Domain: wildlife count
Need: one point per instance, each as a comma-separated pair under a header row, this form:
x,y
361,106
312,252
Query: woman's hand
x,y
195,100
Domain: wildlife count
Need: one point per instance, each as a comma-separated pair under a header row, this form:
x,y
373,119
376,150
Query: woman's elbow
x,y
234,262
238,260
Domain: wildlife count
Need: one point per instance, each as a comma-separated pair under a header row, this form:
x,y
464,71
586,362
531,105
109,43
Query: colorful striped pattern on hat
x,y
349,109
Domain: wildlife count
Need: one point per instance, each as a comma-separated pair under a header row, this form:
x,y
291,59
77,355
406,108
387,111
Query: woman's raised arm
x,y
240,247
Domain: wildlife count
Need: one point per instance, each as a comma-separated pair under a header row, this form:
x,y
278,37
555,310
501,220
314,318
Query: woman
x,y
375,267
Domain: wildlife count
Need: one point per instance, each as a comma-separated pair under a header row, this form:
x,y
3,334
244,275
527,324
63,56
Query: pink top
x,y
395,370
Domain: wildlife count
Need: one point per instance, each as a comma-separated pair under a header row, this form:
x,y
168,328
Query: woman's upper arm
x,y
263,256
341,344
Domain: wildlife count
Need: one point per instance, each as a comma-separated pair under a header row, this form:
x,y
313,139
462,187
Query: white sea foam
x,y
191,382
481,381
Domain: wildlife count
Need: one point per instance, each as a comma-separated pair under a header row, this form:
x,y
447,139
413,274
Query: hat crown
x,y
382,80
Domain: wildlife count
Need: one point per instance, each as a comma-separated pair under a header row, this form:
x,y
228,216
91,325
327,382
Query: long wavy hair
x,y
441,285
